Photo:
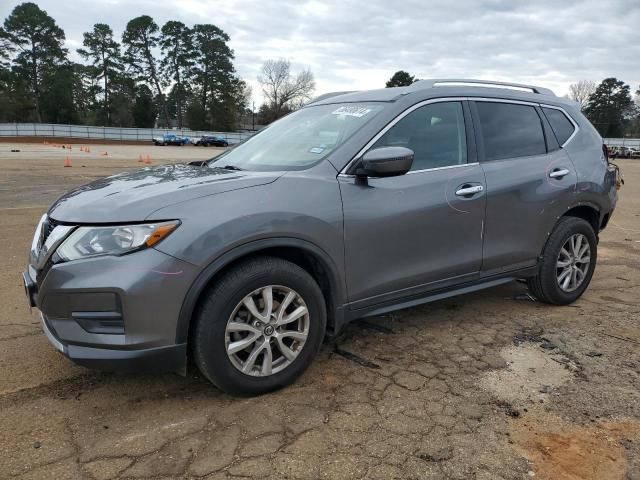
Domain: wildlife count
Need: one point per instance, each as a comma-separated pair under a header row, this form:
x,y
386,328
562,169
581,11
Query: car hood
x,y
132,196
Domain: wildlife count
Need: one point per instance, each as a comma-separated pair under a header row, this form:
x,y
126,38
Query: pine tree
x,y
400,79
608,106
38,41
141,38
177,64
104,53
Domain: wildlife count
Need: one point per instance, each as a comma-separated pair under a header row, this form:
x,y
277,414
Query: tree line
x,y
172,75
608,105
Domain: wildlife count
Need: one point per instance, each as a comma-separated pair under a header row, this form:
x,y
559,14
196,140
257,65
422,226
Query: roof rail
x,y
443,82
324,96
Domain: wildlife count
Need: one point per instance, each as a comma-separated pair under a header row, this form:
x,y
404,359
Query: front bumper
x,y
114,313
167,358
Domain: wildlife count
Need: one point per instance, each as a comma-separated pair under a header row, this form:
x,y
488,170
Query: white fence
x,y
622,142
106,133
146,134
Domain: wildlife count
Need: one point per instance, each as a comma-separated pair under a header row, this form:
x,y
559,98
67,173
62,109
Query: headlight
x,y
116,240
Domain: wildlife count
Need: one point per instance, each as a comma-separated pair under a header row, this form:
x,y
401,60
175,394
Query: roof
x,y
433,88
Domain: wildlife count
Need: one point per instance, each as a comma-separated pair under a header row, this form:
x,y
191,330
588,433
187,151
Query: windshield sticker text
x,y
352,111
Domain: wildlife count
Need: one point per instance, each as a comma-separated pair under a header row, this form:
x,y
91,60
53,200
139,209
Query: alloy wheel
x,y
267,330
573,261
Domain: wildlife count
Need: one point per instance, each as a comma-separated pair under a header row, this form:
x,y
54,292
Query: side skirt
x,y
435,295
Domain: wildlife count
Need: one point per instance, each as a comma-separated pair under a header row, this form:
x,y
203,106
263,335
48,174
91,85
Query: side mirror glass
x,y
386,162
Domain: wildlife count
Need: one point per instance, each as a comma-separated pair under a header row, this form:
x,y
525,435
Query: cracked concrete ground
x,y
486,386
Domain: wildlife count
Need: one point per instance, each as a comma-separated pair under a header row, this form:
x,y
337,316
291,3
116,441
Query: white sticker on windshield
x,y
352,111
316,150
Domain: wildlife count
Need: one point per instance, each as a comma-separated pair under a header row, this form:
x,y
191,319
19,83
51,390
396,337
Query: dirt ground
x,y
491,385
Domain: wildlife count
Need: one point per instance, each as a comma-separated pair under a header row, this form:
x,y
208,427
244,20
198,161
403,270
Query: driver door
x,y
409,234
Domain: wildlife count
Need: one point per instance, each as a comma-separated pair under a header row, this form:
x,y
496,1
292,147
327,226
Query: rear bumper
x,y
158,359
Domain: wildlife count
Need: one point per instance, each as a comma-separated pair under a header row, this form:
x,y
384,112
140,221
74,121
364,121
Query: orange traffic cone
x,y
140,159
81,148
148,159
88,150
67,162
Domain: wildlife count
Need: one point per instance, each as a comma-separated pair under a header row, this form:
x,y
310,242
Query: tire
x,y
546,285
225,299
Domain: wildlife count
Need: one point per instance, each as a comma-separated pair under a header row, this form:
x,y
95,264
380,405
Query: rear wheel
x,y
567,263
259,327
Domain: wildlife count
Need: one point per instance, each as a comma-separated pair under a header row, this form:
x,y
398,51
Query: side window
x,y
560,124
435,133
510,130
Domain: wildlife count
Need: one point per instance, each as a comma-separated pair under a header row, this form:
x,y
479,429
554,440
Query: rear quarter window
x,y
510,130
560,124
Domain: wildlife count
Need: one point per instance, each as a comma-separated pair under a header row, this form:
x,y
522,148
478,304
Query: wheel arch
x,y
588,212
301,252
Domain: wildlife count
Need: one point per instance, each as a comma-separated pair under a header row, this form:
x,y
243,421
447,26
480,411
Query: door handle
x,y
558,173
470,190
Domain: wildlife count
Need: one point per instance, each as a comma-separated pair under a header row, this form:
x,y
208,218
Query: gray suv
x,y
359,204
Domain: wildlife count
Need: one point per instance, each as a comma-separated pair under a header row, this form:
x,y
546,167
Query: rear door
x,y
408,234
529,178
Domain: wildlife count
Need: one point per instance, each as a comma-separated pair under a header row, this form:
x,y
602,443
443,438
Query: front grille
x,y
47,227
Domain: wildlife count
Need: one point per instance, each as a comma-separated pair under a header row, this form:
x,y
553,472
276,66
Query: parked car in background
x,y
358,204
208,140
634,152
171,139
622,152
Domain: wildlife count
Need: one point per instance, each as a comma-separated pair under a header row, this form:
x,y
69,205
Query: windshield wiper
x,y
232,167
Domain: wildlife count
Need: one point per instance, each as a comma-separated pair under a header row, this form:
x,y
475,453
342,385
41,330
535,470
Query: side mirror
x,y
385,162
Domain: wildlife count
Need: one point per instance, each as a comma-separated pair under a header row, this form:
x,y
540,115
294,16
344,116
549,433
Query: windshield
x,y
300,139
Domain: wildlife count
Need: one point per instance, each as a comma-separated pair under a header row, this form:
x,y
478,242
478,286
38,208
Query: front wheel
x,y
259,327
567,262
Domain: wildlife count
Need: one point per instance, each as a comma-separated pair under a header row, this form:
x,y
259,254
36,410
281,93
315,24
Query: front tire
x,y
259,326
567,263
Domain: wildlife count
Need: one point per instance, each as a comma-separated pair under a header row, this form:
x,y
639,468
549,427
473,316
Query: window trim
x,y
576,127
477,126
343,173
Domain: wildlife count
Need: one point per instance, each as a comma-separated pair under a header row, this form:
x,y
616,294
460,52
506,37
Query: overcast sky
x,y
352,45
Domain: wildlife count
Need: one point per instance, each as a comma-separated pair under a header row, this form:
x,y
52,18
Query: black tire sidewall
x,y
565,229
212,319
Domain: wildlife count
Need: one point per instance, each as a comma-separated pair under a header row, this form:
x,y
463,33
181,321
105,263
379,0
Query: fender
x,y
337,285
600,212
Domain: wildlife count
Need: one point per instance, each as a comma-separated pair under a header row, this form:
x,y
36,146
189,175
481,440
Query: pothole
x,y
556,448
531,373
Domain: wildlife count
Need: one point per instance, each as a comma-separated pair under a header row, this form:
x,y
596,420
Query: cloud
x,y
351,45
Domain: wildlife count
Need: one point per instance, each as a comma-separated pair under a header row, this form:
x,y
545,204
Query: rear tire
x,y
223,319
564,274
